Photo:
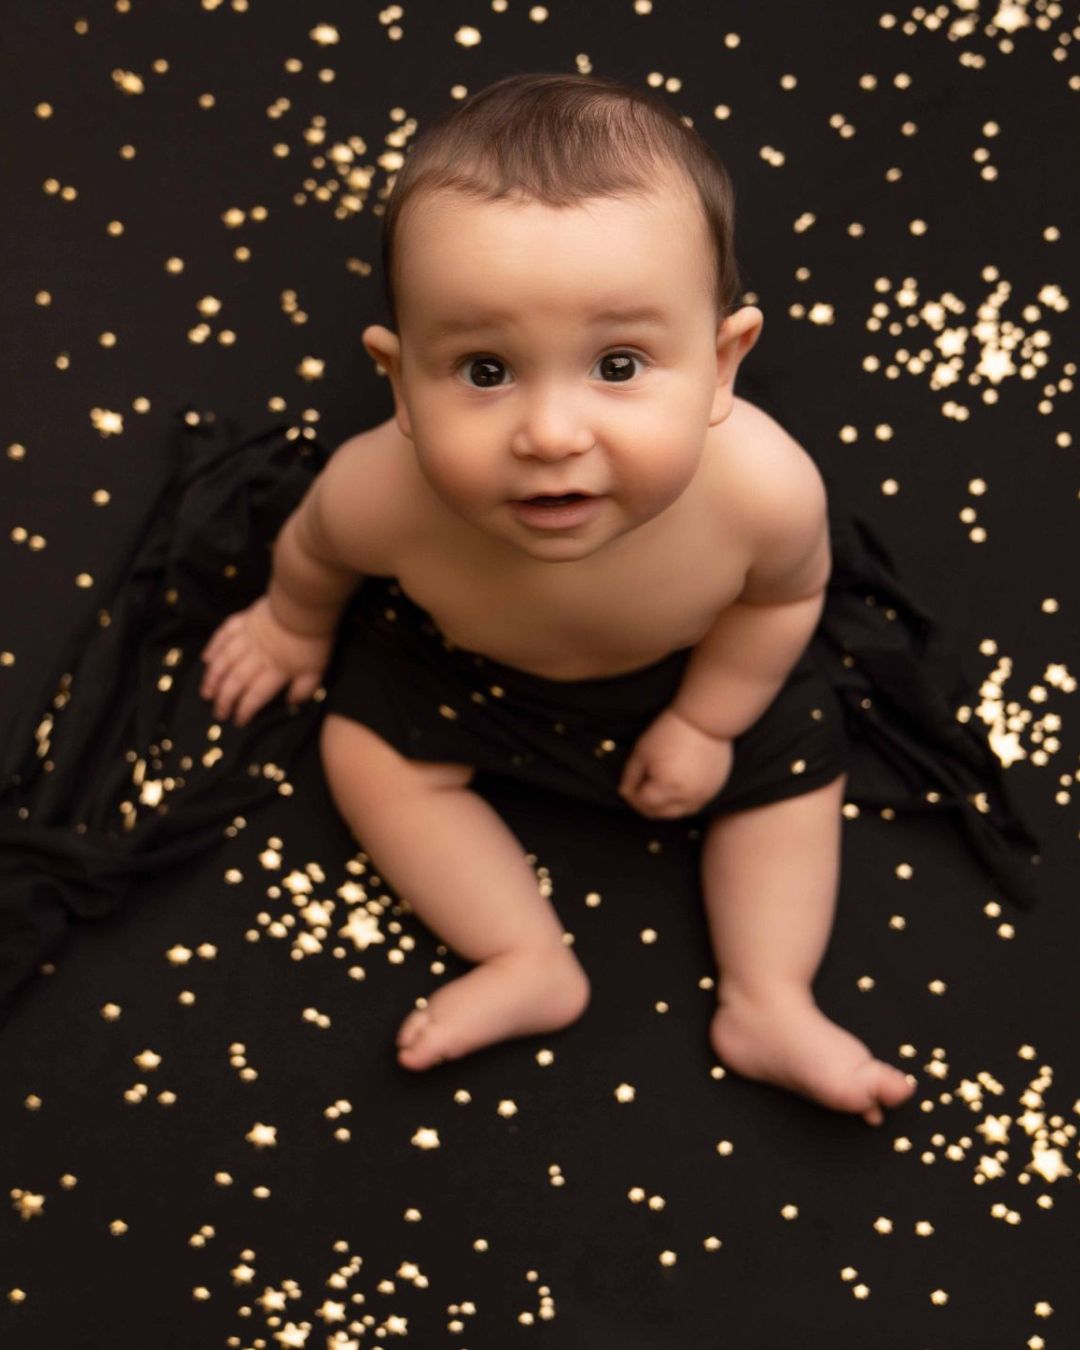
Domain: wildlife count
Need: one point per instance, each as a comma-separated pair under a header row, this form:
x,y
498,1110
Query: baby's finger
x,y
226,657
232,686
261,690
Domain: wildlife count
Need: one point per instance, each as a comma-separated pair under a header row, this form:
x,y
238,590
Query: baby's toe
x,y
888,1087
893,1086
421,1042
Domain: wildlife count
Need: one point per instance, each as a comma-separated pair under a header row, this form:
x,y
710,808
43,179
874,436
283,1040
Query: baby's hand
x,y
674,768
252,656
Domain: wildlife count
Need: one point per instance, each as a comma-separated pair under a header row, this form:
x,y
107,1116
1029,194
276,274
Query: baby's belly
x,y
558,656
597,642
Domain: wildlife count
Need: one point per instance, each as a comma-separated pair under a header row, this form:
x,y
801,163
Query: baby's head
x,y
516,222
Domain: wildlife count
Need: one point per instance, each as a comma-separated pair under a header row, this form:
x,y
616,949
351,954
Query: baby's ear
x,y
734,338
384,346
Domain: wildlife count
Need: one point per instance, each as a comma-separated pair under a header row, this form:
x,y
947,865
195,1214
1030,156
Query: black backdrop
x,y
545,1212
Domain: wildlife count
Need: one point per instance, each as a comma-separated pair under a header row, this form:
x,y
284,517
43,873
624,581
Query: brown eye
x,y
619,365
487,370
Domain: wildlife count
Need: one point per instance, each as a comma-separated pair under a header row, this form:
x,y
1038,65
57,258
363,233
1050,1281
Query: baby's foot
x,y
787,1040
514,994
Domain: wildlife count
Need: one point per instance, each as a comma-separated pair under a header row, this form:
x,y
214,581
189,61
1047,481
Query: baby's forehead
x,y
460,248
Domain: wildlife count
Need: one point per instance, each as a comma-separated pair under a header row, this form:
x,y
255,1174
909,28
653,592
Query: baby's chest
x,y
604,626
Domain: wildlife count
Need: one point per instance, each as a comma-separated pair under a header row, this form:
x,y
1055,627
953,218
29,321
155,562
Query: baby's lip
x,y
566,492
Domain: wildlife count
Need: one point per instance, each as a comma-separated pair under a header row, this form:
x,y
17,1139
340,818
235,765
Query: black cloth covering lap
x,y
86,808
396,672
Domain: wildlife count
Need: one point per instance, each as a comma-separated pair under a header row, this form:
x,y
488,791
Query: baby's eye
x,y
620,365
487,369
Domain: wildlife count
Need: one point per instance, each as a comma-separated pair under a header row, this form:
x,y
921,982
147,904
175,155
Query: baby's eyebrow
x,y
639,314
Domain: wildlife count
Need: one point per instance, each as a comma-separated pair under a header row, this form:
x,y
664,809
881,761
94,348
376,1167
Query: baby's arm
x,y
738,667
286,636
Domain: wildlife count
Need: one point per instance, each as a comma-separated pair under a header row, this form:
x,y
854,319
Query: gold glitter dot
x,y
538,13
43,298
16,1296
127,152
467,36
84,580
44,110
118,1227
111,1011
206,100
16,451
107,339
174,265
115,228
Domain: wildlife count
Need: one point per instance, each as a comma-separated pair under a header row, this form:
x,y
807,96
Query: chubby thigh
x,y
356,759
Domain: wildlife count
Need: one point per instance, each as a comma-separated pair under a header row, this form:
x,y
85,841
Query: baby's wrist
x,y
300,620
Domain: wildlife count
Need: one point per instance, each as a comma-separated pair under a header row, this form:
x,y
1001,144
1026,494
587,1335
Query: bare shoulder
x,y
354,514
781,495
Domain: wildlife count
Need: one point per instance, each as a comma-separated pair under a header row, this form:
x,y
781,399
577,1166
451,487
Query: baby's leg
x,y
447,853
770,876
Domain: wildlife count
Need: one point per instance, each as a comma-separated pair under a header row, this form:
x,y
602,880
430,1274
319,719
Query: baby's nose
x,y
551,429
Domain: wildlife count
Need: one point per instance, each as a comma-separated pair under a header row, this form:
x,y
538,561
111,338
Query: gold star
x,y
262,1136
362,928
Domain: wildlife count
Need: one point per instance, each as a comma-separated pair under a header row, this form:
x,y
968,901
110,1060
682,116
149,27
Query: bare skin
x,y
680,465
786,1039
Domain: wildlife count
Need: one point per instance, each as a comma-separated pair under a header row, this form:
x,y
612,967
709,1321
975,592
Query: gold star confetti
x,y
27,1204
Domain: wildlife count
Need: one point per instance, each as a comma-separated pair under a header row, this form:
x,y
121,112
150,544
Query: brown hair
x,y
559,139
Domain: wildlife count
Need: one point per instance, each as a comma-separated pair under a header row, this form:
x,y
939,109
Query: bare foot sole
x,y
790,1042
514,994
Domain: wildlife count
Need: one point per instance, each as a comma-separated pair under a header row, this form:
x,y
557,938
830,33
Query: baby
x,y
558,261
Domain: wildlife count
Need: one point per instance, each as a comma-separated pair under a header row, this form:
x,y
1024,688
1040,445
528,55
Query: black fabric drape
x,y
129,690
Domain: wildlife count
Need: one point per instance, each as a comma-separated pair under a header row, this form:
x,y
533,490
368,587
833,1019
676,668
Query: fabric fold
x,y
902,684
95,790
